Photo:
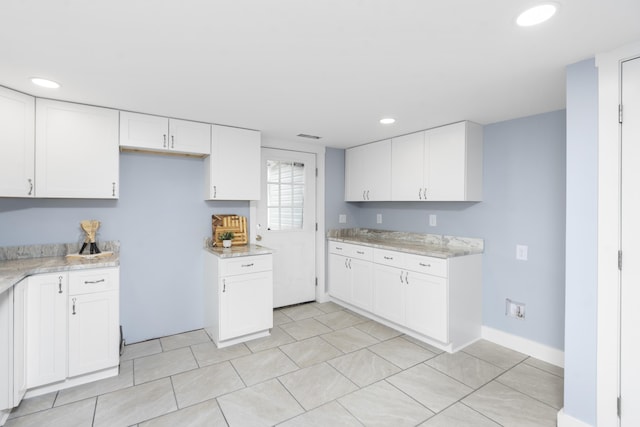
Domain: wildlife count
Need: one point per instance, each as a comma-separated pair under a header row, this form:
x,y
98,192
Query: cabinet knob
x,y
30,186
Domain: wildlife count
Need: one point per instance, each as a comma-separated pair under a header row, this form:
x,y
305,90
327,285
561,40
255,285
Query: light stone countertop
x,y
238,251
18,262
434,245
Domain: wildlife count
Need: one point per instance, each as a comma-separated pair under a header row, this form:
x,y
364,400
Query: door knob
x,y
258,238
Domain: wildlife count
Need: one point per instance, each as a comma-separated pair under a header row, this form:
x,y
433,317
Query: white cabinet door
x,y
77,151
339,277
246,302
17,142
408,167
6,349
189,137
233,168
388,291
46,329
143,131
368,172
93,332
446,162
426,305
361,283
19,341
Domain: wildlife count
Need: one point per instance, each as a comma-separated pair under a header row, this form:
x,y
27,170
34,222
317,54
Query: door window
x,y
285,195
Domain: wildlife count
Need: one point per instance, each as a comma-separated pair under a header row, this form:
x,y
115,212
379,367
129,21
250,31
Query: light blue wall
x,y
160,219
524,203
582,242
334,192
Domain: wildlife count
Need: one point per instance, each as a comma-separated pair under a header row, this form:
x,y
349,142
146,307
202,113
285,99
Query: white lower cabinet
x,y
437,300
238,297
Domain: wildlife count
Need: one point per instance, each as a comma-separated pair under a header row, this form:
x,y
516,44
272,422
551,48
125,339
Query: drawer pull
x,y
74,306
224,285
406,278
59,284
247,265
390,258
338,248
360,252
401,281
91,282
422,264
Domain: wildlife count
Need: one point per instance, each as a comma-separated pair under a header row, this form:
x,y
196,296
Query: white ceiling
x,y
331,68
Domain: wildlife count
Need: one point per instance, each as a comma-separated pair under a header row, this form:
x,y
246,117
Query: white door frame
x,y
608,345
319,151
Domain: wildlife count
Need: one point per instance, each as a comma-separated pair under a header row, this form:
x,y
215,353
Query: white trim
x,y
524,345
319,150
565,420
608,345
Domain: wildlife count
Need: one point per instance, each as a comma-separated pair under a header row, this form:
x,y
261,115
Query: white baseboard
x,y
523,345
565,420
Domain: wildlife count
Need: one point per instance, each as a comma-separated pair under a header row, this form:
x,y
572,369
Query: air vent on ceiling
x,y
304,135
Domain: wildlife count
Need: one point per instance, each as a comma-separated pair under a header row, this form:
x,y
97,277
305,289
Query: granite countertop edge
x,y
238,251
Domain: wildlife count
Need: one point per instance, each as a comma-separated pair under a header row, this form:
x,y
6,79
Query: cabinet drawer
x,y
390,258
245,265
92,280
426,265
339,248
352,251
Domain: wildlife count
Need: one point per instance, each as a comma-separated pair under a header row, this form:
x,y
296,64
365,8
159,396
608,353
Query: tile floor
x,y
321,366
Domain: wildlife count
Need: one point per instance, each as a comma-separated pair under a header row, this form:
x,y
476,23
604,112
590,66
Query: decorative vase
x,y
226,243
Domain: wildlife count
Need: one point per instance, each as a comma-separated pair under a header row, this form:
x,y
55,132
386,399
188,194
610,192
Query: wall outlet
x,y
342,219
379,219
522,252
432,220
514,309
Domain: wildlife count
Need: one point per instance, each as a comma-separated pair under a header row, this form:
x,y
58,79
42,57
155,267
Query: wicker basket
x,y
235,223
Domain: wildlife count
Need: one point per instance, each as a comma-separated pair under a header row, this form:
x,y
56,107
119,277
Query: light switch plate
x,y
522,252
342,219
432,220
379,219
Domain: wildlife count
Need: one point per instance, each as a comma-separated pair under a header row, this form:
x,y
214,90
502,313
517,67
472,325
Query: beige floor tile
x,y
161,365
495,354
205,383
277,338
205,414
77,414
135,404
304,329
552,369
459,415
349,339
184,340
364,367
381,404
34,404
465,368
124,379
317,385
328,415
208,353
401,352
264,404
303,311
423,344
141,349
310,351
259,367
279,318
378,330
534,382
430,387
339,320
327,307
511,408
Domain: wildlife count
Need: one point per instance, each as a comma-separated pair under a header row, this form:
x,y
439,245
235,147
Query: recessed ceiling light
x,y
387,121
45,83
536,15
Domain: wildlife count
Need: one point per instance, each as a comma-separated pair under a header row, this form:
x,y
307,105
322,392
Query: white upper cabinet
x,y
17,141
440,164
76,151
368,172
145,132
232,172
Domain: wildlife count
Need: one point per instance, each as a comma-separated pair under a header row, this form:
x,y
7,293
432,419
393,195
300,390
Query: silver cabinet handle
x,y
368,195
406,278
364,192
401,281
88,282
247,265
338,248
59,284
360,252
73,308
224,285
164,140
425,193
345,263
113,189
171,141
349,263
420,194
215,191
422,264
30,186
390,258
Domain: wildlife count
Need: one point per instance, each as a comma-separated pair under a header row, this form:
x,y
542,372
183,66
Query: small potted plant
x,y
226,238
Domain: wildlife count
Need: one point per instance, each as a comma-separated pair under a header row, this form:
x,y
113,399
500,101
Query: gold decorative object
x,y
230,223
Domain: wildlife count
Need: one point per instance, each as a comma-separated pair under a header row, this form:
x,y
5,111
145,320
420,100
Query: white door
x,y
630,275
284,219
